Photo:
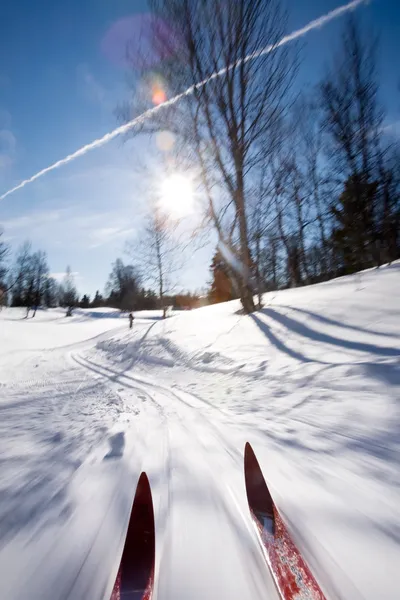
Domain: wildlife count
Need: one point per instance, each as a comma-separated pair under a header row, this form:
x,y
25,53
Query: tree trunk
x,y
246,293
160,273
258,274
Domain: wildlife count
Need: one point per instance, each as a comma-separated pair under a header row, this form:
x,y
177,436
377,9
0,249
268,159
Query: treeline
x,y
125,291
27,282
329,201
300,187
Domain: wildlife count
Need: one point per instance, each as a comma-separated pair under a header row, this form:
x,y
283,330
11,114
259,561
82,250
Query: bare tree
x,y
316,186
271,261
157,252
4,252
222,125
261,224
28,278
283,232
50,293
349,93
20,275
68,292
39,274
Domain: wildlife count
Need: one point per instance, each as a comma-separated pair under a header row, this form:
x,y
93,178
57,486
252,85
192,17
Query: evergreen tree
x,y
147,300
221,285
354,236
98,300
85,302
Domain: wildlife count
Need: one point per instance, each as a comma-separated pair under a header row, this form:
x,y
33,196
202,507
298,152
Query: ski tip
x,y
143,492
136,572
258,494
291,574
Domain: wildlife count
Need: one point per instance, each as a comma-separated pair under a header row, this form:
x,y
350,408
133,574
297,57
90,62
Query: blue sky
x,y
59,85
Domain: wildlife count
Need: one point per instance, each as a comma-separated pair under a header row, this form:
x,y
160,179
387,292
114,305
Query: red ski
x,y
291,574
135,577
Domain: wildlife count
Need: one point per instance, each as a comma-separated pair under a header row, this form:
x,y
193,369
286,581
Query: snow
x,y
312,381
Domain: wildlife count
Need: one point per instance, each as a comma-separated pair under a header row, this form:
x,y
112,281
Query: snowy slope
x,y
312,381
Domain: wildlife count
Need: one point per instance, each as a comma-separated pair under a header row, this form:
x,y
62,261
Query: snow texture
x,y
312,381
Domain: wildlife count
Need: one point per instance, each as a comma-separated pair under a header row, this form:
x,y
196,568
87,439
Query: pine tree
x,y
97,300
221,284
85,302
354,234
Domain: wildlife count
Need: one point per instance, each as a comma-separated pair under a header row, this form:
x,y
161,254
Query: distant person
x,y
131,317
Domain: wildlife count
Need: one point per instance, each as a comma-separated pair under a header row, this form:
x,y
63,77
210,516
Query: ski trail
x,y
197,501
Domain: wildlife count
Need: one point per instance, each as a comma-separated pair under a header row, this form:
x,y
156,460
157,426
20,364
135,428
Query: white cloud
x,y
73,226
80,213
33,221
104,235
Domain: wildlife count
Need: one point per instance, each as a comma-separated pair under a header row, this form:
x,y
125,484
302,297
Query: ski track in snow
x,y
312,381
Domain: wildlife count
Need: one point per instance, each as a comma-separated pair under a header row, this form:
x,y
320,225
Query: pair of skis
x,y
291,574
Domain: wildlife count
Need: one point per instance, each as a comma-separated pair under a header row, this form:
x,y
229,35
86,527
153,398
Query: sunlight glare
x,y
177,195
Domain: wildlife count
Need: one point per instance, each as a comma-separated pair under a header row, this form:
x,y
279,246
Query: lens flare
x,y
159,96
165,141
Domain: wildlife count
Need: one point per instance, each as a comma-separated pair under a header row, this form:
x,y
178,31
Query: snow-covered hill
x,y
312,381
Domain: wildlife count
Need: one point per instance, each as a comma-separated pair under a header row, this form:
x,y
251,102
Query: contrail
x,y
317,23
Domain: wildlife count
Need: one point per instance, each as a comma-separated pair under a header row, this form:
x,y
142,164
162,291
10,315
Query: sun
x,y
177,195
